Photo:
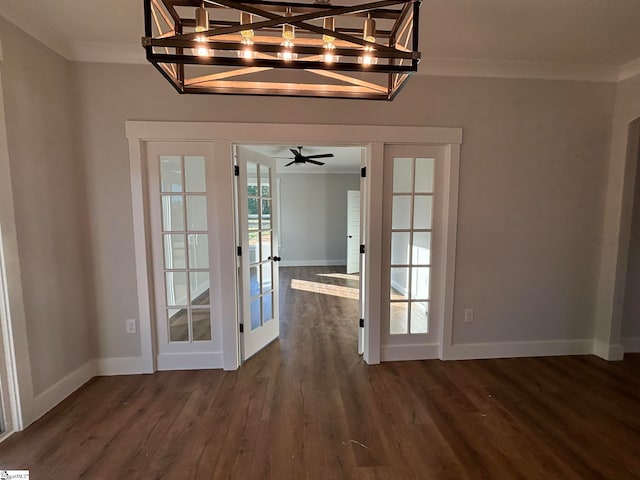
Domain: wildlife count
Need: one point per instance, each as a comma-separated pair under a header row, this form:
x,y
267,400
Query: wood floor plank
x,y
308,407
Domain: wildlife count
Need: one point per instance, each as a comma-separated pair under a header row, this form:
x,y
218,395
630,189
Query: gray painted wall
x,y
313,222
48,186
532,182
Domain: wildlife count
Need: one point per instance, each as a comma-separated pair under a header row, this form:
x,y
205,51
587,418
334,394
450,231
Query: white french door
x,y
180,204
258,222
411,250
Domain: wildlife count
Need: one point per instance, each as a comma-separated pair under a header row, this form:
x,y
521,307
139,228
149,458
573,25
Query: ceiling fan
x,y
299,158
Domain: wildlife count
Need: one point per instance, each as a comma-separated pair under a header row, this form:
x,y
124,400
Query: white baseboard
x,y
397,353
313,263
631,344
614,352
469,351
53,395
190,361
119,366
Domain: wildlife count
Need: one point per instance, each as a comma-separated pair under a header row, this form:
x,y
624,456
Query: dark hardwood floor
x,y
309,407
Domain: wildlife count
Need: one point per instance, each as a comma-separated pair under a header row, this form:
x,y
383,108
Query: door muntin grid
x,y
185,243
411,239
260,232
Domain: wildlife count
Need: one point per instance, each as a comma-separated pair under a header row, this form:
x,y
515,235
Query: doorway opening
x,y
218,141
299,218
630,329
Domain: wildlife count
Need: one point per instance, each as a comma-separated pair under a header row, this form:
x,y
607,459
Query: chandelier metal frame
x,y
358,66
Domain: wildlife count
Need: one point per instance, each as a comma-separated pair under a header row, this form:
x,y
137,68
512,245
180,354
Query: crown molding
x,y
519,70
32,25
629,70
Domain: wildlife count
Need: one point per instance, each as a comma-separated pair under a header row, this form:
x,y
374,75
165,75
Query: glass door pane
x,y
259,227
410,255
183,204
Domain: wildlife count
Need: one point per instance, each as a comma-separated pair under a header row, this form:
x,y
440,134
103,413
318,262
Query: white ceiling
x,y
345,159
564,38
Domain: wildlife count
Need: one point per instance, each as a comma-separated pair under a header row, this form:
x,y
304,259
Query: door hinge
x,y
363,172
362,323
242,328
236,170
361,248
239,251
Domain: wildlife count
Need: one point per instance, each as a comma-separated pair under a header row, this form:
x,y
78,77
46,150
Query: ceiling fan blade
x,y
314,161
295,153
283,158
322,155
290,163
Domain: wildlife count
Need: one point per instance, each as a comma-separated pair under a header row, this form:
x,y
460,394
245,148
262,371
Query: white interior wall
x,y
313,218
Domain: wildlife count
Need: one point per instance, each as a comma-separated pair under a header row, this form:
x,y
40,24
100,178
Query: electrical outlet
x,y
130,325
468,315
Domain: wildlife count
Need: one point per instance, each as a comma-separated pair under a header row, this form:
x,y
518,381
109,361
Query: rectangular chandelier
x,y
368,50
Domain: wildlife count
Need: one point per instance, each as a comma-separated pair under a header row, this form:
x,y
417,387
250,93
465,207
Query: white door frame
x,y
223,135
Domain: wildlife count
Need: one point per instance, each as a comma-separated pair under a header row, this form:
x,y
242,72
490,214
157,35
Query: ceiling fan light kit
x,y
257,47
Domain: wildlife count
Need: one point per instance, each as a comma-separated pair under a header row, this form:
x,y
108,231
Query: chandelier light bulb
x,y
286,54
247,51
368,58
329,41
329,56
288,35
202,50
